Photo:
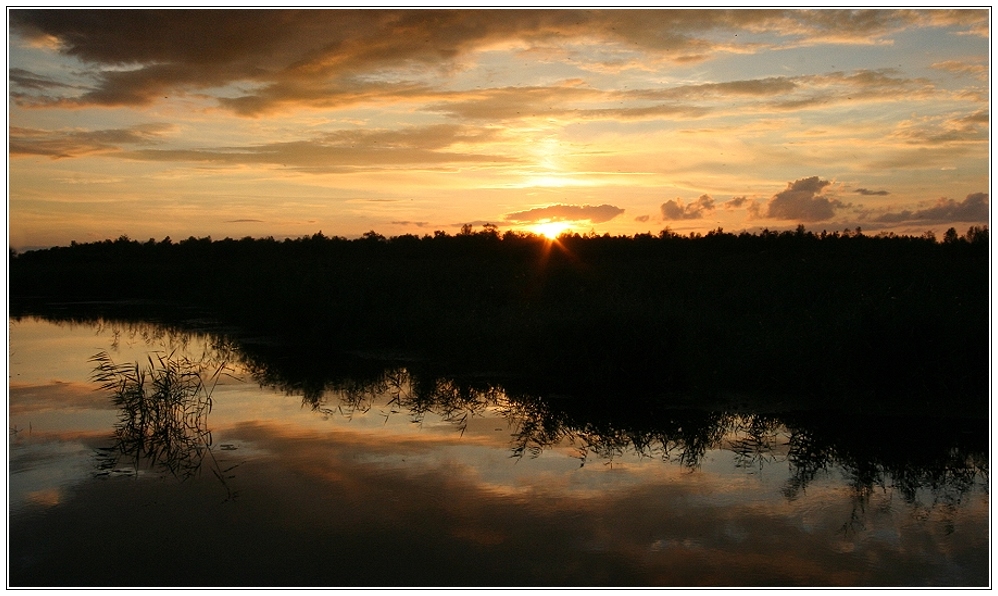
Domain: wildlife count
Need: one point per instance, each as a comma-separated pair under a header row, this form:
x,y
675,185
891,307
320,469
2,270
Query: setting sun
x,y
551,229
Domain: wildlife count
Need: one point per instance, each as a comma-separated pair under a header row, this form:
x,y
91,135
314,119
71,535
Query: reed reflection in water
x,y
163,413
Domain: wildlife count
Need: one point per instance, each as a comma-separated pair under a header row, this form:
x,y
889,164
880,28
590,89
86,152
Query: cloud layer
x,y
339,57
974,208
60,144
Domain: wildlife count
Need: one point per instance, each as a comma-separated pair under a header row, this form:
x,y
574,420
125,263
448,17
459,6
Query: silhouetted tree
x,y
977,235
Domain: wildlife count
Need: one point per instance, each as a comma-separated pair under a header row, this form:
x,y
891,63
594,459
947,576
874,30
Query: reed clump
x,y
163,409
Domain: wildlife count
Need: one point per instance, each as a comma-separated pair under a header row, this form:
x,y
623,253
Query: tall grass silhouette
x,y
163,418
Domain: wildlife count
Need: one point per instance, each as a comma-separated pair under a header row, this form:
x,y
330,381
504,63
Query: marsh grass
x,y
163,413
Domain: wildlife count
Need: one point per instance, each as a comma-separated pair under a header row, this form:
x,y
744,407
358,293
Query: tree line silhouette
x,y
886,319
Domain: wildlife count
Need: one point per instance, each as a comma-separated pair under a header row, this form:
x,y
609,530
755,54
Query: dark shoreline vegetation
x,y
775,320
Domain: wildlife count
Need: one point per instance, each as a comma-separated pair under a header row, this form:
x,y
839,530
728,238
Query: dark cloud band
x,y
974,208
321,57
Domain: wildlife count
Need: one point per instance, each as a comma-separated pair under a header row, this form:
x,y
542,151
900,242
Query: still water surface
x,y
371,485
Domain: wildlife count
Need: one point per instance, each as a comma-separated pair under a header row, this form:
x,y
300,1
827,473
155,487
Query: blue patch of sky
x,y
911,52
800,61
47,64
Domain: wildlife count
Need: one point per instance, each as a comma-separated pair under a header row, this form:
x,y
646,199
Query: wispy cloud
x,y
978,69
418,224
949,129
765,95
26,79
346,150
74,143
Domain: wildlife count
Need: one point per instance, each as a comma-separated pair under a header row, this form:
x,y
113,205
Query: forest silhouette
x,y
796,317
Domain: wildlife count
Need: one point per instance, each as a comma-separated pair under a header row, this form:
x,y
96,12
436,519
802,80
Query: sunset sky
x,y
236,123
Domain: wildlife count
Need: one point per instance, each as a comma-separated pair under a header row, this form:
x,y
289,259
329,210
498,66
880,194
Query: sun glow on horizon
x,y
552,229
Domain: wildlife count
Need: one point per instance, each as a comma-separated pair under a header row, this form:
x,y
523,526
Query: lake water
x,y
401,481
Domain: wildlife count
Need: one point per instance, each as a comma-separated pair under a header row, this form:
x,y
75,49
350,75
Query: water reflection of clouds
x,y
481,452
663,525
53,430
44,466
483,449
58,395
